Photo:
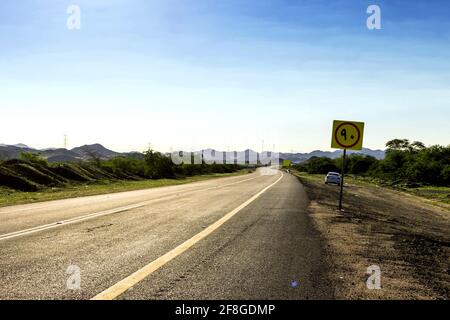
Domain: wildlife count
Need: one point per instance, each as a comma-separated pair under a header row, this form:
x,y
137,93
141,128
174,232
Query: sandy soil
x,y
408,238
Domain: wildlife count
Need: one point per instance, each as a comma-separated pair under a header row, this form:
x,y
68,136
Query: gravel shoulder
x,y
407,237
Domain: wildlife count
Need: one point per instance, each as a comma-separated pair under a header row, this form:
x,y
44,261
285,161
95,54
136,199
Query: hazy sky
x,y
225,74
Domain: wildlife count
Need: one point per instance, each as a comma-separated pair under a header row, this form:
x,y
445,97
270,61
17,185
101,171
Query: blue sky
x,y
224,74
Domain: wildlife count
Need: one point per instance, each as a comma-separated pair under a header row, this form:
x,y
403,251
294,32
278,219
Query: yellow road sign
x,y
347,135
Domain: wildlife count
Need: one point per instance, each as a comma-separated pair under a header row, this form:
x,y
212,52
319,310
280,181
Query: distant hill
x,y
301,157
61,155
92,151
86,152
12,152
21,145
95,150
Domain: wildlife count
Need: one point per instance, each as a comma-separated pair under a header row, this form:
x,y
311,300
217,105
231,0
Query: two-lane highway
x,y
239,237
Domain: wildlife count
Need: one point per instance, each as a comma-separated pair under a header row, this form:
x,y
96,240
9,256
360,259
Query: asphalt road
x,y
243,237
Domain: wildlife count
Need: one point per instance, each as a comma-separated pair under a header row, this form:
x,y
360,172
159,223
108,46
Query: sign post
x,y
347,135
342,179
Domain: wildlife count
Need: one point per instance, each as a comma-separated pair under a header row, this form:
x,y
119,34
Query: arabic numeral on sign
x,y
344,133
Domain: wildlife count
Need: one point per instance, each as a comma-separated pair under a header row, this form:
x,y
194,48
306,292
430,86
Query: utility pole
x,y
65,141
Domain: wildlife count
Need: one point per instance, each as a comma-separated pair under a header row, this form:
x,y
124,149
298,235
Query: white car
x,y
333,177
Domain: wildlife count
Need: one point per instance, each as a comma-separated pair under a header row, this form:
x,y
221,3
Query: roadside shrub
x,y
33,158
414,163
126,164
10,179
157,165
300,167
321,165
445,175
70,172
33,174
360,164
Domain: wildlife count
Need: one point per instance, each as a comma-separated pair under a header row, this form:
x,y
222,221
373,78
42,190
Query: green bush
x,y
34,175
71,172
321,165
445,174
360,164
11,179
157,165
34,158
414,163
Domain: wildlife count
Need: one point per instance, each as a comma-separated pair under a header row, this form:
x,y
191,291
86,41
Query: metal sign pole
x,y
342,179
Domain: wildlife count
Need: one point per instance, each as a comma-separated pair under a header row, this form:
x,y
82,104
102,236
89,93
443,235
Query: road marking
x,y
66,222
130,281
62,223
53,203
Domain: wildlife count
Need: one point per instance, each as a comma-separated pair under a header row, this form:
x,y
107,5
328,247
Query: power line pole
x,y
65,141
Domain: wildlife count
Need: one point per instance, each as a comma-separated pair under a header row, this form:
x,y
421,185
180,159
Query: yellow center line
x,y
130,281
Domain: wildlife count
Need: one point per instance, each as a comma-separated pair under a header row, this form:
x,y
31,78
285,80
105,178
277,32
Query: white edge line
x,y
62,223
67,222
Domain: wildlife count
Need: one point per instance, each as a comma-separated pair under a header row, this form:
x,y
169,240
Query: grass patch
x,y
307,176
440,194
12,197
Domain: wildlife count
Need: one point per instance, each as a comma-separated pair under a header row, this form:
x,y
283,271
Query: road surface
x,y
242,237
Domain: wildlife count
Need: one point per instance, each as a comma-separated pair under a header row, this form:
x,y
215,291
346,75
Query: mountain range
x,y
85,152
301,157
97,151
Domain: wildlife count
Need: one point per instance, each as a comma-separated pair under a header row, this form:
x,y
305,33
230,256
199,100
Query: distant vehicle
x,y
333,177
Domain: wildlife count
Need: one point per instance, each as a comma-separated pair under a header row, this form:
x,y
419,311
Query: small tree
x,y
360,164
157,165
321,165
417,145
34,158
398,144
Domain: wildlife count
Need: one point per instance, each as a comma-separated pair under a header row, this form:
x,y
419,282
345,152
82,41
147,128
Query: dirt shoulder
x,y
409,239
